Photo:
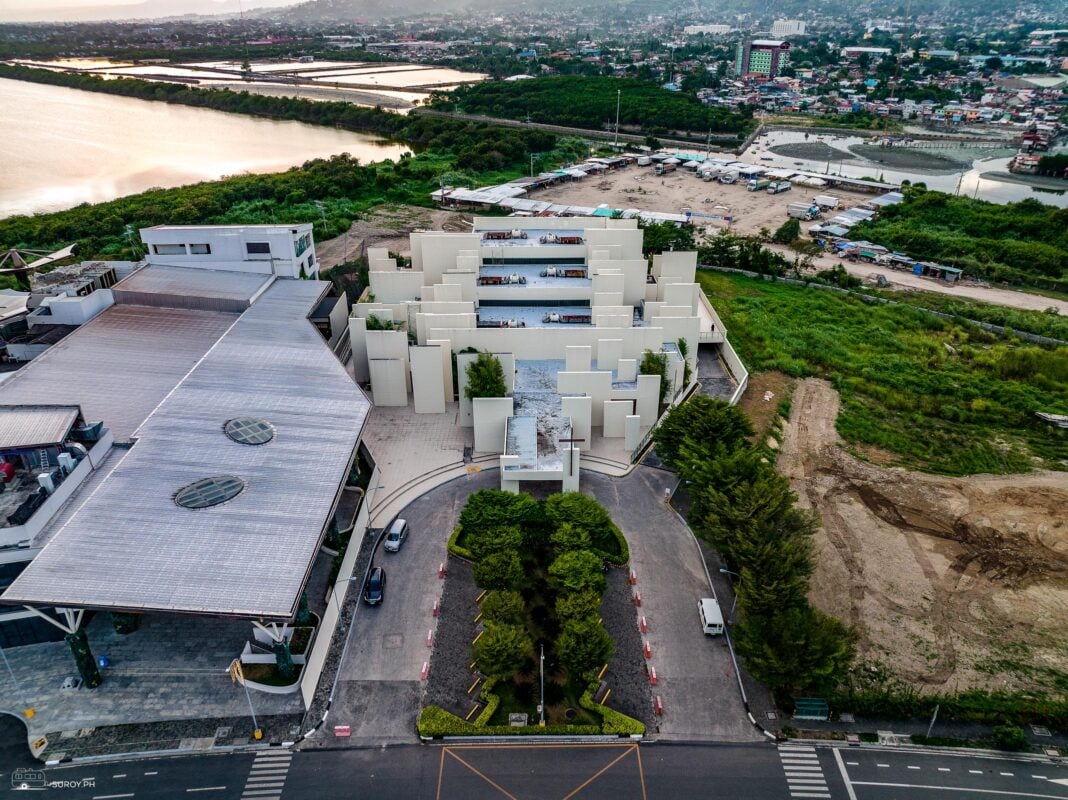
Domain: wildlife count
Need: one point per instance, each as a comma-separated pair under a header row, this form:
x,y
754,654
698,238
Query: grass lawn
x,y
938,396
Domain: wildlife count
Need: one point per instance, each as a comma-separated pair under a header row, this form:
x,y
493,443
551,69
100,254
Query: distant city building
x,y
762,57
948,55
708,30
850,53
788,27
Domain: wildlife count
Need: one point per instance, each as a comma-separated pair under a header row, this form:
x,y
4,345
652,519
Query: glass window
x,y
258,248
249,430
209,492
169,249
200,249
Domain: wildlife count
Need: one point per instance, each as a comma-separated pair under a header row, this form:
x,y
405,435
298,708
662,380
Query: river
x,y
968,182
63,147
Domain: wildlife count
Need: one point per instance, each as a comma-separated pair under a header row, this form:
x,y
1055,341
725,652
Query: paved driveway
x,y
380,691
696,678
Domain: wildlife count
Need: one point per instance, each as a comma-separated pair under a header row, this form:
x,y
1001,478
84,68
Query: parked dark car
x,y
375,589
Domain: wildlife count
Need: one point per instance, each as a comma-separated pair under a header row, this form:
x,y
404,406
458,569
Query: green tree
x,y
578,605
569,537
485,377
502,606
283,659
483,541
585,514
583,646
83,658
788,232
578,571
797,648
704,426
502,650
499,571
660,237
655,364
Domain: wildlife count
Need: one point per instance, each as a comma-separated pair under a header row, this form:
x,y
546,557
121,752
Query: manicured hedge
x,y
487,696
437,722
612,721
456,549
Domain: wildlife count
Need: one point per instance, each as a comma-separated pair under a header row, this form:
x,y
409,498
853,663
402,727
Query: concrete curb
x,y
978,752
153,754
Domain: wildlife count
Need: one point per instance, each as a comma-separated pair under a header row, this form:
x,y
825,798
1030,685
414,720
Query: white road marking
x,y
882,765
1007,774
207,789
111,796
845,775
976,771
120,775
1039,777
853,763
151,773
943,769
959,789
912,767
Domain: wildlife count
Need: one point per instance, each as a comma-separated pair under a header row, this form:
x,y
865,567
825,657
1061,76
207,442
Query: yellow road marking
x,y
600,674
469,713
477,637
641,770
600,772
481,775
471,688
441,771
605,698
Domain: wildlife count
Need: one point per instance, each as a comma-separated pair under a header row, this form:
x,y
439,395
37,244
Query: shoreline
x,y
1058,185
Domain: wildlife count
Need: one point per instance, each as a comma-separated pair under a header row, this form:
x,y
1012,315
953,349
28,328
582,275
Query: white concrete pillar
x,y
632,431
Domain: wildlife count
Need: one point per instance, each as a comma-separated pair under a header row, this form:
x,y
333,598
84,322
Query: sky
x,y
118,9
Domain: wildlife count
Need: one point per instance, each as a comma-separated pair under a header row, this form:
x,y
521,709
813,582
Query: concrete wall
x,y
598,385
615,418
73,310
490,416
580,409
358,340
228,248
577,358
680,294
396,286
428,380
544,343
678,266
388,376
437,252
609,351
430,326
632,432
624,243
648,405
633,271
445,348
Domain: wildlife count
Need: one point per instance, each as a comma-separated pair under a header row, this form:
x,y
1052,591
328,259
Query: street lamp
x,y
541,705
734,603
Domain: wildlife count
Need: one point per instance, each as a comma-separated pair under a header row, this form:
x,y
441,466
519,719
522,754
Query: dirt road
x,y
952,583
906,280
386,226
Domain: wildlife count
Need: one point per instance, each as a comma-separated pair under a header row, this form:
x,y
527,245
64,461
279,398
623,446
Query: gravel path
x,y
626,675
450,676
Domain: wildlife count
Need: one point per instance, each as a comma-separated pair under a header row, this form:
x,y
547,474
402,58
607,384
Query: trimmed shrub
x,y
502,649
503,606
481,542
490,508
567,537
1010,737
491,700
455,548
437,722
499,571
578,571
612,721
578,605
586,514
583,646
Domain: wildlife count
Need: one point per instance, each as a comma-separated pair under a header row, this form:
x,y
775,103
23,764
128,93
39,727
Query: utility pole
x,y
237,675
541,705
619,95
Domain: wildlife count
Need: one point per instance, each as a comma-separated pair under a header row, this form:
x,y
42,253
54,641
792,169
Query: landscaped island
x,y
541,571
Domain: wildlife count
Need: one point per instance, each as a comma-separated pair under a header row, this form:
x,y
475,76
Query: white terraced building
x,y
569,306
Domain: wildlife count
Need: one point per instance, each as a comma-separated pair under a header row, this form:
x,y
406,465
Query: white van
x,y
711,616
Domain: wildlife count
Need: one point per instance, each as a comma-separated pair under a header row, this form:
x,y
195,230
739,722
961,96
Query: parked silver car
x,y
398,533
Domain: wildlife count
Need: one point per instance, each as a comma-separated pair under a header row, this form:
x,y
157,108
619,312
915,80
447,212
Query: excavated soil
x,y
952,583
387,226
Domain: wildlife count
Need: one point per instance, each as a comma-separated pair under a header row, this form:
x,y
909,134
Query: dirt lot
x,y
387,226
952,583
638,187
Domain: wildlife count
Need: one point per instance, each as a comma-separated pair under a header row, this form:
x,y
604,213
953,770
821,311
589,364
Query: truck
x,y
709,174
644,161
756,185
664,169
825,201
728,177
803,211
780,186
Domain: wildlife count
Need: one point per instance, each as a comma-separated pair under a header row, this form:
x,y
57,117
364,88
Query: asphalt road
x,y
614,771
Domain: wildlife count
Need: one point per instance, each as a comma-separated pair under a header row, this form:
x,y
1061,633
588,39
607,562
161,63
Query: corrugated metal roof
x,y
192,282
120,365
35,426
130,546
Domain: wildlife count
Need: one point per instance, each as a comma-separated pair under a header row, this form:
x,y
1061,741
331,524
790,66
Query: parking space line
x,y
845,775
968,789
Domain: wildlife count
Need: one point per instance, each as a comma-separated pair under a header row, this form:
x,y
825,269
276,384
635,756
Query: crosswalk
x,y
268,775
804,775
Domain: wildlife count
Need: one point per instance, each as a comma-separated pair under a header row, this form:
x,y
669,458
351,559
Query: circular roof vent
x,y
209,492
249,430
